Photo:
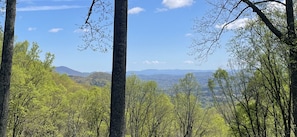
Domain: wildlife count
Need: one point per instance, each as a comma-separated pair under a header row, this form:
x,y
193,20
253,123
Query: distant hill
x,y
94,79
70,72
166,72
165,78
166,81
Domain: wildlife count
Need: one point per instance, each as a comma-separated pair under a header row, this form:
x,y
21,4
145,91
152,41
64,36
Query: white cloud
x,y
80,30
161,9
63,0
188,62
43,8
239,23
172,4
54,30
26,1
135,10
31,28
154,62
188,35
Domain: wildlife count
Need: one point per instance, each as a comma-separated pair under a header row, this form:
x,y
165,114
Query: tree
x,y
117,115
228,97
148,111
6,63
228,11
187,105
268,83
118,84
97,111
137,105
34,97
253,104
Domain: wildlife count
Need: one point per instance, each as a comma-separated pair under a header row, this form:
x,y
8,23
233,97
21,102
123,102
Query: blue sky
x,y
159,34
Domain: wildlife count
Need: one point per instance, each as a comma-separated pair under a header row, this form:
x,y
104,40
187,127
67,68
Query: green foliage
x,y
44,103
189,117
147,110
95,79
255,100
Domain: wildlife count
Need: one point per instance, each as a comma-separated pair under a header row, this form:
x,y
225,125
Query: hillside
x,y
94,79
165,78
70,72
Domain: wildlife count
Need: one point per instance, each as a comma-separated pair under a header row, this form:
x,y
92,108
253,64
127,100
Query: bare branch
x,y
96,32
210,35
267,22
228,11
90,12
266,1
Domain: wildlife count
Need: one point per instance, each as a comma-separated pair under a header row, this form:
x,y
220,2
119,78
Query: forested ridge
x,y
45,103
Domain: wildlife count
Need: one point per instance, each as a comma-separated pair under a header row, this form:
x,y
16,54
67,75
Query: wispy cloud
x,y
154,62
44,8
161,10
135,10
26,1
63,0
188,62
31,28
55,30
239,23
188,35
80,30
172,4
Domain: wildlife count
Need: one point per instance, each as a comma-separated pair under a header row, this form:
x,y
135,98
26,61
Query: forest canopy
x,y
45,103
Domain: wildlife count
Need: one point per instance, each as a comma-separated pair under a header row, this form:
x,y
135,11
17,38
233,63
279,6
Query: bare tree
x,y
6,63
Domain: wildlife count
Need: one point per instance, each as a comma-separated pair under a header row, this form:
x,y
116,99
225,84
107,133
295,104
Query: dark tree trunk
x,y
117,115
293,61
293,87
6,63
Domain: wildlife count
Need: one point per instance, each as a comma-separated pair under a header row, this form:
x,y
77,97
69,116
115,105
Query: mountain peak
x,y
69,71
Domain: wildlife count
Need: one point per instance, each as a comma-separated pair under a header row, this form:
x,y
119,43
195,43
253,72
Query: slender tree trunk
x,y
293,87
293,63
117,116
6,63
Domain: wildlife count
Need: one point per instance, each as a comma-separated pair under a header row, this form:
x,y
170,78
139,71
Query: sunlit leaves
x,y
44,103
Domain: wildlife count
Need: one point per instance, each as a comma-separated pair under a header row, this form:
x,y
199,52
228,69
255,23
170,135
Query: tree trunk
x,y
6,63
293,86
117,115
293,62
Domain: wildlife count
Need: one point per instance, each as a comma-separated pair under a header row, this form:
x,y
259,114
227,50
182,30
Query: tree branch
x,y
267,22
90,12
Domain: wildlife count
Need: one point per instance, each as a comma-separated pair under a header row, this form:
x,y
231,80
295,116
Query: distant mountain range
x,y
71,72
165,78
167,72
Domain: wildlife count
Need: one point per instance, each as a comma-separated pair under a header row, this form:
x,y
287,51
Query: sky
x,y
159,34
